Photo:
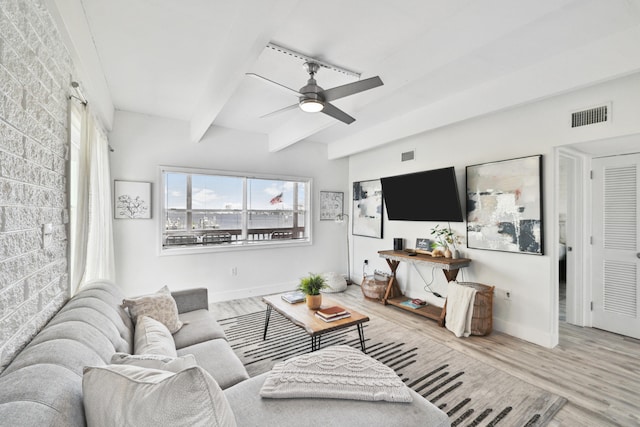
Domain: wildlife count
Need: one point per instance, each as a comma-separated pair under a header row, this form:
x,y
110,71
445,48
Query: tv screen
x,y
423,196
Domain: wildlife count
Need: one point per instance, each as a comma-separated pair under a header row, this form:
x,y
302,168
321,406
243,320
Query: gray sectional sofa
x,y
43,384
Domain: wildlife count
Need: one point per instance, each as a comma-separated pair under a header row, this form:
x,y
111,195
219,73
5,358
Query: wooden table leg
x,y
393,289
451,274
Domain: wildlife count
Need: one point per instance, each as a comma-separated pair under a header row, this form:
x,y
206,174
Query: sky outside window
x,y
216,192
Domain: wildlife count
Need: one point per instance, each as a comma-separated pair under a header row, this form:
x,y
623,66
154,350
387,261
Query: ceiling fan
x,y
313,99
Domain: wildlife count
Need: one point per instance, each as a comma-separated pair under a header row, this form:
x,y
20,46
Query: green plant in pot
x,y
443,238
311,286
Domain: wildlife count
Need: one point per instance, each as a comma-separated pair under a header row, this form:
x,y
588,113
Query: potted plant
x,y
443,238
311,286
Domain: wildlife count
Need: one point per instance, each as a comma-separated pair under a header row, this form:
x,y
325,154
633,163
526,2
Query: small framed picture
x,y
331,205
131,200
423,244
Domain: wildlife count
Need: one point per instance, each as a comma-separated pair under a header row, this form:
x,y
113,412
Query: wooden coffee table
x,y
300,315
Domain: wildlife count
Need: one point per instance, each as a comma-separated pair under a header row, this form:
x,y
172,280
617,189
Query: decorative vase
x,y
314,301
447,253
456,254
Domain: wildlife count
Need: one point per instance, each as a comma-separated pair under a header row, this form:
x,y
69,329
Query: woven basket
x,y
482,320
373,288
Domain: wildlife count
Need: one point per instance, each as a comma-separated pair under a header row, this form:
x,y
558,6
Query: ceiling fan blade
x,y
336,113
273,113
276,84
351,88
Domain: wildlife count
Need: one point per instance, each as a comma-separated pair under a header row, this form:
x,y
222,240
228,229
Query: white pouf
x,y
335,282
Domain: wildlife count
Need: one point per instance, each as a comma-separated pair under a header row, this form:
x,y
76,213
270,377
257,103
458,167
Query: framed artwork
x,y
132,200
504,206
367,208
423,244
331,205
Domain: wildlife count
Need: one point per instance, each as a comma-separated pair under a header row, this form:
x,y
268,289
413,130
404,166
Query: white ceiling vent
x,y
600,114
408,155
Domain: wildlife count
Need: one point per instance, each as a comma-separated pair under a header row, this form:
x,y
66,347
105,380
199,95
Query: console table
x,y
393,295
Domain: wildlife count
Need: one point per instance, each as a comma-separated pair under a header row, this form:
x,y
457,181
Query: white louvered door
x,y
616,250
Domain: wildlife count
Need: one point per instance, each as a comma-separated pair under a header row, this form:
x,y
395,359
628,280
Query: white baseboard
x,y
535,336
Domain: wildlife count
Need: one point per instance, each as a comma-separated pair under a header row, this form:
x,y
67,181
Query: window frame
x,y
239,246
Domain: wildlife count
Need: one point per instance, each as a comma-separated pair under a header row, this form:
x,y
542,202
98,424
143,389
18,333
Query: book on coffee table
x,y
294,297
331,312
334,318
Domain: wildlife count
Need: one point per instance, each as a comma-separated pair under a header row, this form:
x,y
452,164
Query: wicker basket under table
x,y
482,321
373,288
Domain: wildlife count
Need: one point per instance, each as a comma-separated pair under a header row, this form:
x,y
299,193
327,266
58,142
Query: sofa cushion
x,y
67,353
85,333
338,372
97,320
252,410
116,314
159,306
219,360
199,326
155,361
152,337
107,296
118,395
47,395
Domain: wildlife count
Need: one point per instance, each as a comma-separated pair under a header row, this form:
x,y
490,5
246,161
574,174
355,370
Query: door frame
x,y
579,219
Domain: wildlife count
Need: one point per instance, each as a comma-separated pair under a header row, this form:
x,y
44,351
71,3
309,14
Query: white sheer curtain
x,y
92,255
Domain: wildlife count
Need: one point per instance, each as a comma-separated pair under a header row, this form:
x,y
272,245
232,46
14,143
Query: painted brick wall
x,y
35,73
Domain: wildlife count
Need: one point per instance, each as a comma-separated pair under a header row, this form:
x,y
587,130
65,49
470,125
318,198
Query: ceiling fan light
x,y
311,105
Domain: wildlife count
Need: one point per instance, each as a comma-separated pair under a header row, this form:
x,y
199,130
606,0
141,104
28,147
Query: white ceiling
x,y
441,61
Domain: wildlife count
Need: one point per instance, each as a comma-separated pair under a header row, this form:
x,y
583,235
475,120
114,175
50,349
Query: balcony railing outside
x,y
218,237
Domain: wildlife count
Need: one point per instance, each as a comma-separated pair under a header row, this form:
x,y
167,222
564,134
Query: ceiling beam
x,y
617,57
307,124
254,26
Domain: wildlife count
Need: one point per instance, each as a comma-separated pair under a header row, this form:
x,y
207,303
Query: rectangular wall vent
x,y
591,116
408,155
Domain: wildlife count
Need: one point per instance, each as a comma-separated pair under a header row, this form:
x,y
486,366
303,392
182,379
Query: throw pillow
x,y
155,361
119,395
339,372
152,337
160,306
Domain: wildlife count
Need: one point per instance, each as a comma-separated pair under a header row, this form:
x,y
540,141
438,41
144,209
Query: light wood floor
x,y
596,371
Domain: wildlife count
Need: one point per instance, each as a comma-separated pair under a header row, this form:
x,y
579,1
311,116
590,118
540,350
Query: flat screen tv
x,y
423,196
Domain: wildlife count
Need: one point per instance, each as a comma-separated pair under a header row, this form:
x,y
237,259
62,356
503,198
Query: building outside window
x,y
223,210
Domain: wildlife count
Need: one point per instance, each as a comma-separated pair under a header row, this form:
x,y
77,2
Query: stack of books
x,y
294,297
331,314
414,303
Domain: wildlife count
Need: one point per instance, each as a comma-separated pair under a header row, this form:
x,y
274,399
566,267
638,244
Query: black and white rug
x,y
469,391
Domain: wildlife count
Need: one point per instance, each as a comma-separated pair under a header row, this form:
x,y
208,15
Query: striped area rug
x,y
469,391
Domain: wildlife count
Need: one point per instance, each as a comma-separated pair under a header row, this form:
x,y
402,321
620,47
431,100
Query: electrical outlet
x,y
47,235
507,294
234,271
366,262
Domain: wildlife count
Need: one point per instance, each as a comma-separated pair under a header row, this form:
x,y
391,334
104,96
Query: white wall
x,y
142,143
528,130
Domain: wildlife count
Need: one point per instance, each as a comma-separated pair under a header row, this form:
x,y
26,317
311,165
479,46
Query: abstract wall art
x,y
367,208
504,206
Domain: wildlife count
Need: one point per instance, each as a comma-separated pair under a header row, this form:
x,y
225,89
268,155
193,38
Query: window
x,y
210,210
